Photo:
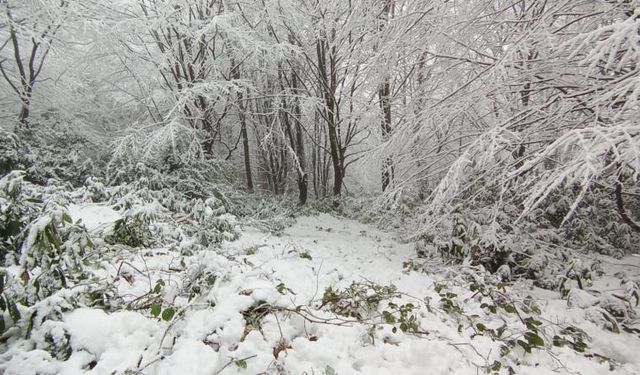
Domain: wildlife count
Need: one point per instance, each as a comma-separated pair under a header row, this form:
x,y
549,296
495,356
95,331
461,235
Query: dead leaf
x,y
283,346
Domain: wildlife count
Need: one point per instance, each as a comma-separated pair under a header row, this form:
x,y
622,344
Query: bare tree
x,y
29,35
384,96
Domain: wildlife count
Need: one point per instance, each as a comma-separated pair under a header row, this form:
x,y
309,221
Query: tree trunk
x,y
620,201
328,86
384,93
303,185
243,131
23,117
247,155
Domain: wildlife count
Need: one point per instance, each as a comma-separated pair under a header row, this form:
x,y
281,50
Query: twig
x,y
233,361
317,282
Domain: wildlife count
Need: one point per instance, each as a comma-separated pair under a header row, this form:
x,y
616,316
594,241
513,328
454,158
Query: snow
x,y
580,298
210,333
93,216
190,357
115,339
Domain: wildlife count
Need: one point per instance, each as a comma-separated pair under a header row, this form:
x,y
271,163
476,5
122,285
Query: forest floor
x,y
330,296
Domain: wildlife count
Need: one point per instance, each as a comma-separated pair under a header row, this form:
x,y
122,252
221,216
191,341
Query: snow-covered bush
x,y
215,224
358,300
16,213
12,152
168,156
46,154
556,170
95,190
130,231
152,216
42,251
535,248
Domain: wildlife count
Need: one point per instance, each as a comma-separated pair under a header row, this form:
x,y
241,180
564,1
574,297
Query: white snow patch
x,y
93,216
118,340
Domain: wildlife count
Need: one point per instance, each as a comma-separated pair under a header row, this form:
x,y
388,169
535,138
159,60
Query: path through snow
x,y
322,251
223,329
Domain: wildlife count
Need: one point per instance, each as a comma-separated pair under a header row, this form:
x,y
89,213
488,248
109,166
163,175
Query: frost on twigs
x,y
587,156
555,168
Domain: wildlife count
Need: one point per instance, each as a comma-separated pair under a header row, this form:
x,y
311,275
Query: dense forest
x,y
319,186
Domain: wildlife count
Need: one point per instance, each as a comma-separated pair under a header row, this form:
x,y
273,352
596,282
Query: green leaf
x,y
579,347
388,317
90,244
614,326
66,218
509,308
51,237
14,313
558,341
404,327
501,330
168,314
497,365
241,364
532,324
211,279
58,272
155,309
481,327
158,286
305,255
533,339
329,371
525,346
282,289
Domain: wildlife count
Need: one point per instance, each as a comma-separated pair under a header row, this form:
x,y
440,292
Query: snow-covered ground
x,y
93,216
261,305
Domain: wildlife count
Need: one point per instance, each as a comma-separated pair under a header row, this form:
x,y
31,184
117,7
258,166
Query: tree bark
x,y
328,86
303,184
235,74
620,202
245,147
25,111
384,93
